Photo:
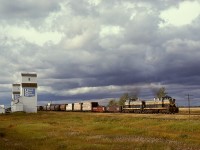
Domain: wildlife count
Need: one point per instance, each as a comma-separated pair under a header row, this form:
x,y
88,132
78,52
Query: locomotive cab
x,y
170,104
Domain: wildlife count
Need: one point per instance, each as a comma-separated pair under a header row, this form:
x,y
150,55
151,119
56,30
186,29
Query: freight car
x,y
70,107
46,108
78,107
88,106
73,107
63,107
99,109
55,107
165,105
114,109
81,107
39,108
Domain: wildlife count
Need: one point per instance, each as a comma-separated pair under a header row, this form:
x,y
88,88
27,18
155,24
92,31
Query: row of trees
x,y
161,92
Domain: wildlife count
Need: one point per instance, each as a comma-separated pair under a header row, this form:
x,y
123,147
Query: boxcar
x,y
63,107
99,109
88,106
114,109
70,107
78,106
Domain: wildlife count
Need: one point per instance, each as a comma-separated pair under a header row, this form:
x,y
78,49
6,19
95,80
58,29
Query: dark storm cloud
x,y
81,7
111,43
152,56
29,9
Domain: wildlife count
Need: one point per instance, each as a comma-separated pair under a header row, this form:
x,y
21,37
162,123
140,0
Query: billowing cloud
x,y
179,15
97,49
20,10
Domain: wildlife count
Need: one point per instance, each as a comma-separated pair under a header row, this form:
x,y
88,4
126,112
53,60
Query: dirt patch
x,y
2,132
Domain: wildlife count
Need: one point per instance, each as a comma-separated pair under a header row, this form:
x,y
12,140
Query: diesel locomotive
x,y
164,105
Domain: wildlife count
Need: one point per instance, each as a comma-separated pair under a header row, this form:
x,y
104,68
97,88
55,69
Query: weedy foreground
x,y
107,131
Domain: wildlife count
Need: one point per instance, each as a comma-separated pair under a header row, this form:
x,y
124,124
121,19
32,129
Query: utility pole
x,y
188,97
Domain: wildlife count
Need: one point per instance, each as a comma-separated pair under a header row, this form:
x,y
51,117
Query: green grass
x,y
89,131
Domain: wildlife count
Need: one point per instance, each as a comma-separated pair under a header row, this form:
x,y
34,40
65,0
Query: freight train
x,y
165,105
80,107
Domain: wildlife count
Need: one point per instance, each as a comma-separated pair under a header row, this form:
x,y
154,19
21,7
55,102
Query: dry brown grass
x,y
62,130
193,110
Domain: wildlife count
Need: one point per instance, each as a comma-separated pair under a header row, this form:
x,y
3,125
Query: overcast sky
x,y
98,49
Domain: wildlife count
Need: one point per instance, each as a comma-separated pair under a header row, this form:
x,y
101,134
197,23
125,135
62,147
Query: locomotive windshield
x,y
166,97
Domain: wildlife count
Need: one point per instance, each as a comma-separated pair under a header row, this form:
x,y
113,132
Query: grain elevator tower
x,y
15,91
29,92
16,103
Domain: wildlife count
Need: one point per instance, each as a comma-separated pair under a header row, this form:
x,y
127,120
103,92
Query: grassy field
x,y
93,131
193,110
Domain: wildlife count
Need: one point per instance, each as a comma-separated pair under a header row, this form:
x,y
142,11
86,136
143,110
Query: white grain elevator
x,y
15,91
29,92
16,103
